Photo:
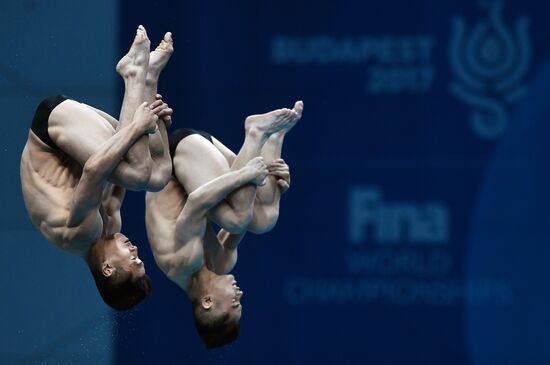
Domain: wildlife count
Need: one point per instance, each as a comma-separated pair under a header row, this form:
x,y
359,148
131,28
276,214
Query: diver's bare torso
x,y
182,239
49,179
163,209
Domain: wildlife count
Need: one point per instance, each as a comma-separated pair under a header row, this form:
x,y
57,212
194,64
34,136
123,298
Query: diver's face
x,y
124,255
228,295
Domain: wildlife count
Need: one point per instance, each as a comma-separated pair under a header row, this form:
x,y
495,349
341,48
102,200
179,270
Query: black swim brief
x,y
40,121
179,134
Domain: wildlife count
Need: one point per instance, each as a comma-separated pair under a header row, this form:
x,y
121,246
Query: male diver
x,y
211,183
78,161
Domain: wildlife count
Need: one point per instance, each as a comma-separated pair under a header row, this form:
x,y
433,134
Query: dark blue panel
x,y
405,103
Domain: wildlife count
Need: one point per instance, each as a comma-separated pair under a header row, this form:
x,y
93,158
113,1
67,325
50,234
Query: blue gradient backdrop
x,y
415,230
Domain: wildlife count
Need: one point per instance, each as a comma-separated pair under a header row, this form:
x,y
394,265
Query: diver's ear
x,y
207,302
107,270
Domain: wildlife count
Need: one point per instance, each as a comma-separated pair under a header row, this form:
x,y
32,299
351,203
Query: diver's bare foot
x,y
277,121
137,59
159,58
298,110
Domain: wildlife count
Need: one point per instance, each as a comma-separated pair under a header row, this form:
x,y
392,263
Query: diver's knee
x,y
159,179
238,221
264,220
137,179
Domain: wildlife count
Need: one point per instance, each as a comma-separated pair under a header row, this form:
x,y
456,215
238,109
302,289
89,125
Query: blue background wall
x,y
49,309
415,228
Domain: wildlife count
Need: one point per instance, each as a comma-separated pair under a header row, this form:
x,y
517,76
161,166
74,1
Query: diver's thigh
x,y
197,161
225,151
78,130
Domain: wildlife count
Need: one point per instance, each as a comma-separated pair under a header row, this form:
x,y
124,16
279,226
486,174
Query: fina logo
x,y
489,64
395,223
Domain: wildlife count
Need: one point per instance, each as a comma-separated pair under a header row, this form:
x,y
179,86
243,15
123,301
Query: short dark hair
x,y
215,329
121,292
